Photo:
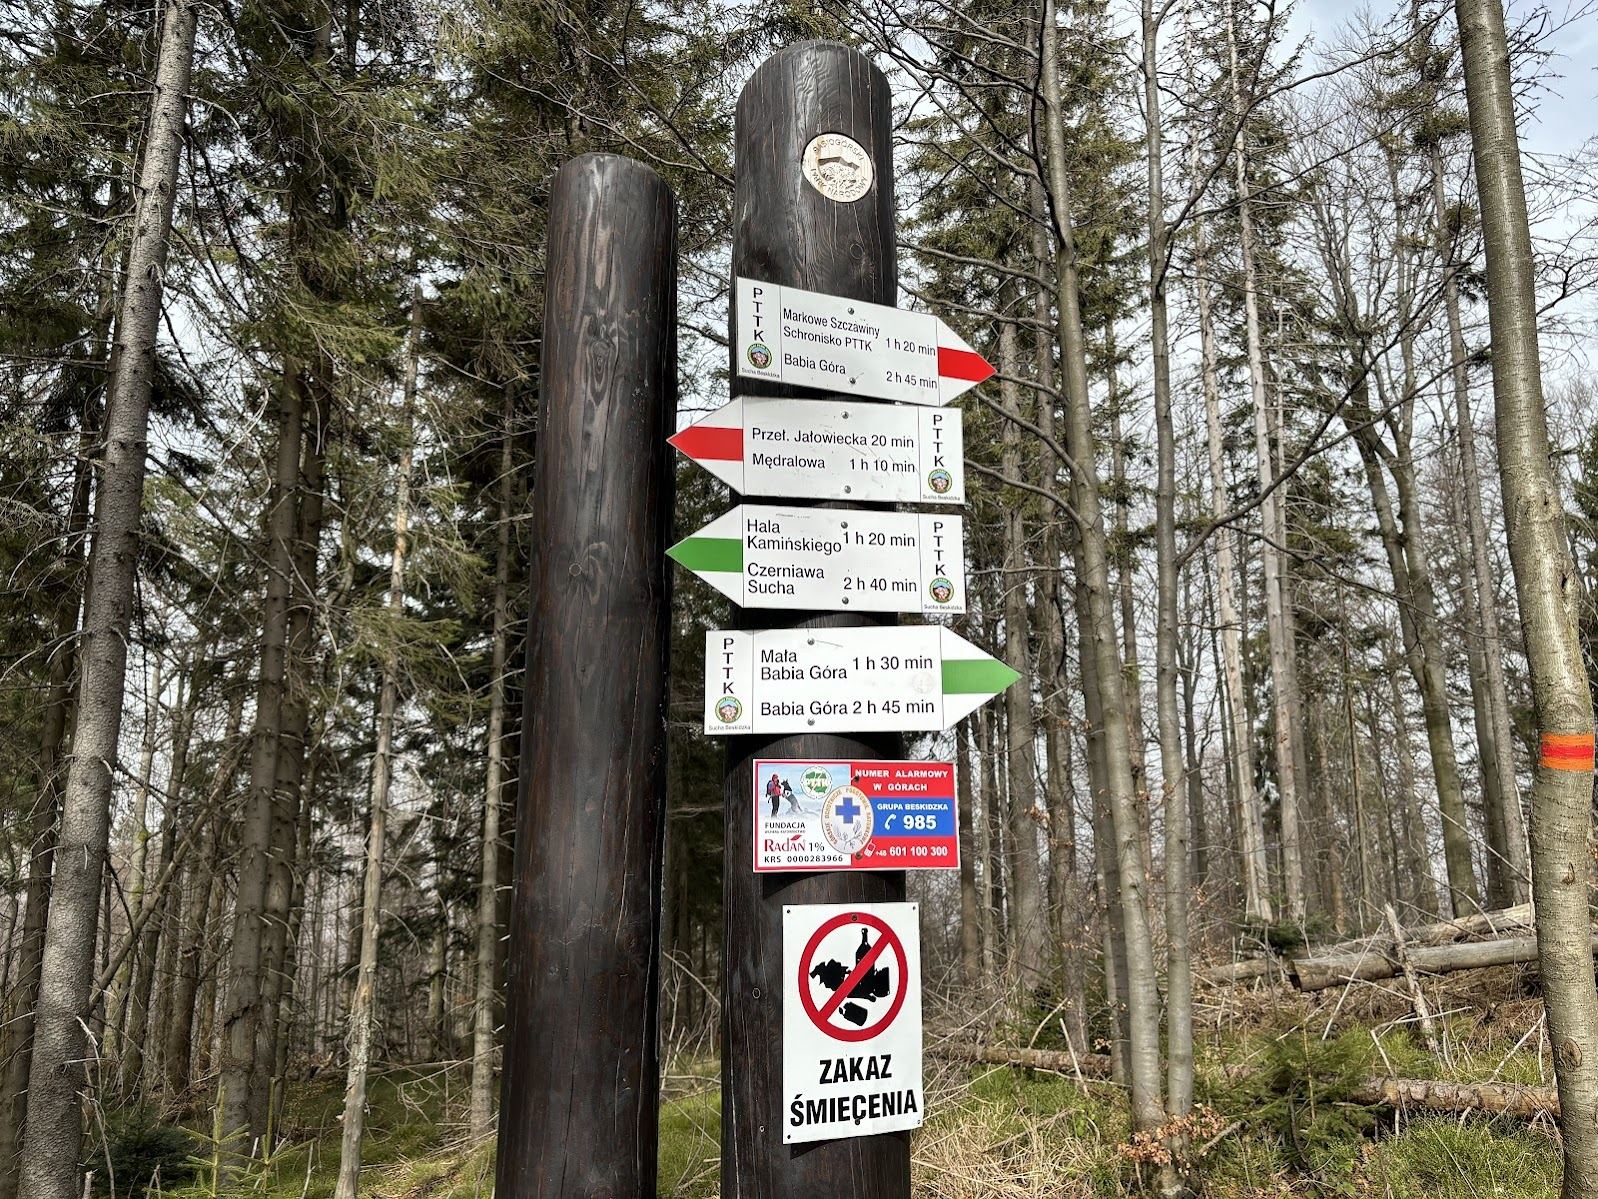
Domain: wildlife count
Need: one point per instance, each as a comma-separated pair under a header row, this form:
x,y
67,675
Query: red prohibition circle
x,y
811,1010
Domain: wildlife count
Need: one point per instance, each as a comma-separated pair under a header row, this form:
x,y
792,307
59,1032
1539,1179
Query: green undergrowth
x,y
1299,1131
1284,1125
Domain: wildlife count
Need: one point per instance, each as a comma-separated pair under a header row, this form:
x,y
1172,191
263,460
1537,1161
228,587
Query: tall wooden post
x,y
785,231
579,1097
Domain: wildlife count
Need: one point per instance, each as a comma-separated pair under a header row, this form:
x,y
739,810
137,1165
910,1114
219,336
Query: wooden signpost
x,y
813,327
821,957
787,232
579,1094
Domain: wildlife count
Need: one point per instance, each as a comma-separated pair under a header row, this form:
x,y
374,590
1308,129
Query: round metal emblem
x,y
838,167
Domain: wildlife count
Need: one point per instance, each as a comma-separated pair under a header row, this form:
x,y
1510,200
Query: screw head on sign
x,y
812,720
851,382
851,312
846,490
846,599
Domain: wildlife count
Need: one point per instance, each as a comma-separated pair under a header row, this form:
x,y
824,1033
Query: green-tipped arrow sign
x,y
919,678
822,559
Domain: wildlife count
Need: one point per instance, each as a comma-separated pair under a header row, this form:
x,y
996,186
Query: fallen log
x,y
1431,1095
1334,970
1493,1098
1478,924
1442,932
1241,972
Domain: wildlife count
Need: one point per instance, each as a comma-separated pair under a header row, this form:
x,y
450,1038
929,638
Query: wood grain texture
x,y
786,232
579,1097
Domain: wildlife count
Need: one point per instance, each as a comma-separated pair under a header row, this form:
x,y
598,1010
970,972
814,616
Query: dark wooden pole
x,y
579,1095
786,232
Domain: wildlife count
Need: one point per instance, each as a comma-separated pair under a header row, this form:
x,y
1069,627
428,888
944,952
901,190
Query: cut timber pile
x,y
1430,948
1494,1098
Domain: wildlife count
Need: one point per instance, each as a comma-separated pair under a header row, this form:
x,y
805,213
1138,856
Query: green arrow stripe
x,y
976,676
710,553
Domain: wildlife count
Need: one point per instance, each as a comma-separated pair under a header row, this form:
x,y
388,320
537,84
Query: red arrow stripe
x,y
963,364
707,443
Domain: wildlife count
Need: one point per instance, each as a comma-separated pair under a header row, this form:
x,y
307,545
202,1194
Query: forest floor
x,y
1278,1126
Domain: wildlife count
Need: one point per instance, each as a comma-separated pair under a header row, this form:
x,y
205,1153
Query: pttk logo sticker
x,y
851,1020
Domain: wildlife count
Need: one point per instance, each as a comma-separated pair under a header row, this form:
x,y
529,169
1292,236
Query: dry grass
x,y
1003,1134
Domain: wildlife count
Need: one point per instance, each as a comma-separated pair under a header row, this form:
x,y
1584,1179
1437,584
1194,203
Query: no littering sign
x,y
851,1020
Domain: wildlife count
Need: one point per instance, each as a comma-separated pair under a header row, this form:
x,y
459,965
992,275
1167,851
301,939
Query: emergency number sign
x,y
851,1020
843,815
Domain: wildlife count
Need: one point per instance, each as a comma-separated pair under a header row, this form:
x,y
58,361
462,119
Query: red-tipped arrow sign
x,y
811,339
832,450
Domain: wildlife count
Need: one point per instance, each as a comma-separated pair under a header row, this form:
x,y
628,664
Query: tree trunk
x,y
970,917
208,1033
1065,891
203,883
439,1040
1357,792
1122,562
1549,593
1423,651
1173,766
1506,826
167,933
992,845
53,1137
1106,873
239,1069
118,1001
1496,805
1254,865
1417,845
1029,922
132,1066
1190,651
16,1035
365,1005
1143,1000
1278,617
288,791
481,1118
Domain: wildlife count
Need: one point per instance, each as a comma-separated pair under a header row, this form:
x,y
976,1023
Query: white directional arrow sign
x,y
832,450
811,339
825,559
919,678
